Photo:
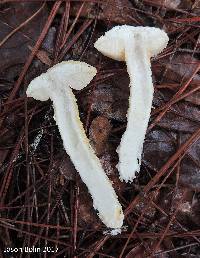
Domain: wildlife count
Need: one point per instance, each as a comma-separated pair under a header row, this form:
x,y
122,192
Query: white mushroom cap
x,y
73,73
112,44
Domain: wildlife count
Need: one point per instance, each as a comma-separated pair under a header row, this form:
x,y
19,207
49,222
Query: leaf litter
x,y
43,201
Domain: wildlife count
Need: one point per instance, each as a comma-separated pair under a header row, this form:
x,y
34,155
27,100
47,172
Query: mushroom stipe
x,y
56,84
135,46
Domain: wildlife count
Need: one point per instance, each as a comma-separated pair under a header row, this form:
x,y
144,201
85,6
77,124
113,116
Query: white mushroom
x,y
135,46
56,84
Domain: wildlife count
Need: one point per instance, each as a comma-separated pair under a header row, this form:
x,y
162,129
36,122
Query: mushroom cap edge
x,y
112,44
74,74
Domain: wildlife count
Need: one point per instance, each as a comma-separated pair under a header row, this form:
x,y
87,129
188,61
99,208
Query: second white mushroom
x,y
56,84
135,46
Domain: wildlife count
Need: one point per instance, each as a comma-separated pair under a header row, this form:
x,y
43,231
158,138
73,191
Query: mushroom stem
x,y
85,161
140,102
135,46
55,84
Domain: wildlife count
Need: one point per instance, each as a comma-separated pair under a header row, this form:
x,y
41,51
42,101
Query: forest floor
x,y
43,202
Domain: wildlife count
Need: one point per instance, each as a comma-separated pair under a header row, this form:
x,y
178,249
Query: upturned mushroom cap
x,y
112,44
74,74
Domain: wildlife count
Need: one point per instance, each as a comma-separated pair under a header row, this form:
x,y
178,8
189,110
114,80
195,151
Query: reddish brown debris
x,y
43,202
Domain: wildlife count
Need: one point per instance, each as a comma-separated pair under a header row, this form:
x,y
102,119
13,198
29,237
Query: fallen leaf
x,y
141,251
182,117
48,43
42,55
67,168
190,166
179,70
108,101
119,11
137,252
99,131
86,214
3,155
15,50
166,3
159,146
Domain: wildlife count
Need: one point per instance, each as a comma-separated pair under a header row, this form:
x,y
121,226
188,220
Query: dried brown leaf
x,y
43,56
15,49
